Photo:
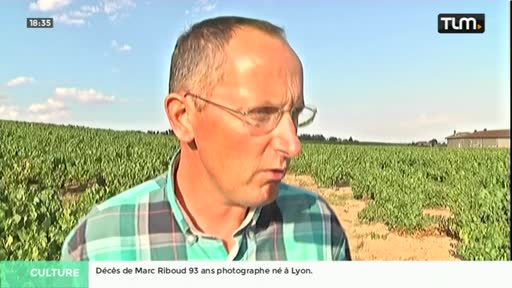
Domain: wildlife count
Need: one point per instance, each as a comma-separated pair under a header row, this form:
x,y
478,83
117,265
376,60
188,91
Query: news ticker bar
x,y
230,274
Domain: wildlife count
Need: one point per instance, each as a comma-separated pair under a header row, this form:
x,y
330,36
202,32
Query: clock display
x,y
39,22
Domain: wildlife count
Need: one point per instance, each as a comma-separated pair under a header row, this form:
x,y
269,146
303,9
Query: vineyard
x,y
51,175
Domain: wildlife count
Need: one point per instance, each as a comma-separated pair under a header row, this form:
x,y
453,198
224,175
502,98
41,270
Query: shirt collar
x,y
179,214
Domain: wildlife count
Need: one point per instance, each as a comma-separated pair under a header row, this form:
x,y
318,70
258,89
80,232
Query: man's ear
x,y
179,117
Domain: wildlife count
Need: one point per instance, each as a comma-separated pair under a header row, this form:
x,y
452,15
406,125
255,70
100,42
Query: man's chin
x,y
262,195
269,192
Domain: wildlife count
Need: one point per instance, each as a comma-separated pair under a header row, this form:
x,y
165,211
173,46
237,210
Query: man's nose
x,y
287,140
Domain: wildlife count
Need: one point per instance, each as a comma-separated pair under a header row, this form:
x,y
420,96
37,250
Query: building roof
x,y
503,134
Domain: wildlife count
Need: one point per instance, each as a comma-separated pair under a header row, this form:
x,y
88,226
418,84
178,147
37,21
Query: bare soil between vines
x,y
375,241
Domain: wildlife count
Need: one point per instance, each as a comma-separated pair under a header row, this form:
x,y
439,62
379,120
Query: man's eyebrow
x,y
266,103
269,103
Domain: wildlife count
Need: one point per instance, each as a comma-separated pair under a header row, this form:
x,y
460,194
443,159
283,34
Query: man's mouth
x,y
275,174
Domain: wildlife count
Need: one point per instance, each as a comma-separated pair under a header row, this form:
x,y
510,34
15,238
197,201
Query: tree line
x,y
332,139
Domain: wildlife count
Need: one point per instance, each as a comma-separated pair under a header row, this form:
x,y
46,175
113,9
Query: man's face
x,y
247,167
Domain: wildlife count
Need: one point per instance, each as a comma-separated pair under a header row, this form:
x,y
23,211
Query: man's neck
x,y
203,203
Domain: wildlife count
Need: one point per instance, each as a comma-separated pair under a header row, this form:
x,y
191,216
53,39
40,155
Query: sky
x,y
375,70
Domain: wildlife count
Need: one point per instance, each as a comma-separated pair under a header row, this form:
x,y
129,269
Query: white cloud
x,y
114,6
91,9
80,14
52,116
83,96
50,105
121,47
77,17
20,81
49,5
9,112
68,19
111,8
209,7
202,6
55,108
116,16
51,110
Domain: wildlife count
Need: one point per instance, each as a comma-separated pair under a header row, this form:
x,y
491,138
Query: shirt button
x,y
191,239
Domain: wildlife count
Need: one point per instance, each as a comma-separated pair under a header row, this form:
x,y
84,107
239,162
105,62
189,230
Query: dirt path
x,y
375,241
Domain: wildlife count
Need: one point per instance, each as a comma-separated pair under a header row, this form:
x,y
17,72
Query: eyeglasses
x,y
264,119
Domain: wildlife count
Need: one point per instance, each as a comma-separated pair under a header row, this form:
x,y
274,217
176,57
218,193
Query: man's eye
x,y
263,114
265,110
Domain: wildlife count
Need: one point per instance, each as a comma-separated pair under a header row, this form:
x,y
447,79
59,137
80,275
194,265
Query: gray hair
x,y
198,59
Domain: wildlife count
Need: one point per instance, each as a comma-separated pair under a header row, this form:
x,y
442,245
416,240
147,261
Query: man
x,y
235,102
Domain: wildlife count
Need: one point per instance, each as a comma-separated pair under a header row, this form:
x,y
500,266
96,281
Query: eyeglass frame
x,y
245,113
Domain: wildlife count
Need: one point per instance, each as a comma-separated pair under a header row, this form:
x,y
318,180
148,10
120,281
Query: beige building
x,y
480,139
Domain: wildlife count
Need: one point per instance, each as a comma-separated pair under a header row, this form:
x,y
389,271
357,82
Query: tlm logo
x,y
461,23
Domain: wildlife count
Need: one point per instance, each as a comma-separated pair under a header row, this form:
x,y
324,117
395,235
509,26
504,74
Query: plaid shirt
x,y
147,223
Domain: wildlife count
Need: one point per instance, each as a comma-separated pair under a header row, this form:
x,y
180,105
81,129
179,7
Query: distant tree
x,y
312,137
319,137
304,137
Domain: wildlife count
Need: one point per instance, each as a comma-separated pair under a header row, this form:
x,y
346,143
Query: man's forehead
x,y
262,65
250,47
266,63
245,62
